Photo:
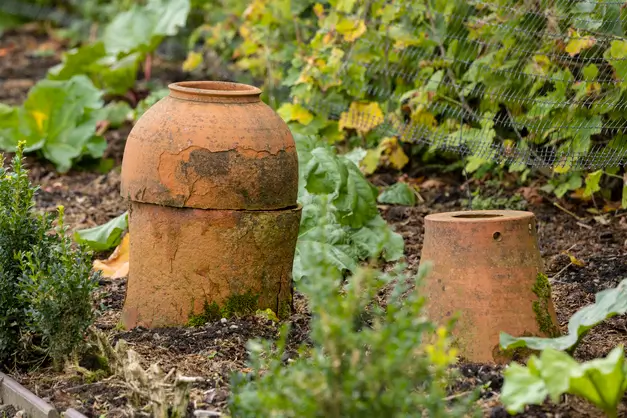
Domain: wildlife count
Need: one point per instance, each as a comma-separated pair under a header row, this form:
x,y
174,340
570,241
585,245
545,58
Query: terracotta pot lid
x,y
211,145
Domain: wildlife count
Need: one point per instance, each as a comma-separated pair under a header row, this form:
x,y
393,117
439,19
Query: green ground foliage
x,y
363,361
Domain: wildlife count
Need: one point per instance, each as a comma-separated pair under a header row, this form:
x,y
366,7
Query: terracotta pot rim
x,y
215,88
294,208
483,216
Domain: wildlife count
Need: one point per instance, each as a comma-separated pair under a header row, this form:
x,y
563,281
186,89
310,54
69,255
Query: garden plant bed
x,y
215,350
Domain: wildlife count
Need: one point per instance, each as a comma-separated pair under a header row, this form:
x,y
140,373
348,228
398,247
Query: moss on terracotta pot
x,y
542,289
235,305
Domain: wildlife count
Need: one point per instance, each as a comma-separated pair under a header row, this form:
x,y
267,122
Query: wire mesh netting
x,y
530,82
540,83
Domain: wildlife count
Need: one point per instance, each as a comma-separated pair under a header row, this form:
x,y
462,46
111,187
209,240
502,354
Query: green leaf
x,y
590,72
356,155
615,55
117,113
573,182
9,127
142,27
96,147
356,200
114,74
601,382
325,173
376,238
592,183
336,255
105,236
522,387
117,76
60,118
624,198
398,194
78,61
608,303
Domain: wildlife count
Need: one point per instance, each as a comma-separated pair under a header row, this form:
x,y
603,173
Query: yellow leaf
x,y
371,161
350,29
361,116
580,194
424,118
301,115
244,31
268,314
295,112
193,60
574,260
562,167
319,10
542,60
39,117
116,266
328,37
304,78
396,156
593,88
578,43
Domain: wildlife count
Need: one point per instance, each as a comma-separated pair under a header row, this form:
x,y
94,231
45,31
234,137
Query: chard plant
x,y
601,381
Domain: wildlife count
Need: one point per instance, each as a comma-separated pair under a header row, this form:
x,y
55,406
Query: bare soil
x,y
217,349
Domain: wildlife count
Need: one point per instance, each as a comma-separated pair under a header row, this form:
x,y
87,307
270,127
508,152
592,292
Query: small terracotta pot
x,y
487,269
212,176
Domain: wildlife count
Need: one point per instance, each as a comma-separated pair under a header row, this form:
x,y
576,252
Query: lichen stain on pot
x,y
196,174
212,176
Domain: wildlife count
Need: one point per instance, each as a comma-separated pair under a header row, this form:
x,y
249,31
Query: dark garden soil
x,y
215,350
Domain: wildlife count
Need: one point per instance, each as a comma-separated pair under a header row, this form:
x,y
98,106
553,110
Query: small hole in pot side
x,y
497,236
477,216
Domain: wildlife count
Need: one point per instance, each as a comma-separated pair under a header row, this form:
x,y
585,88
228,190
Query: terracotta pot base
x,y
209,256
488,269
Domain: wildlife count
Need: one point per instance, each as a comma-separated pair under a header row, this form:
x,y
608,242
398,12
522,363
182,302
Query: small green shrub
x,y
364,360
45,284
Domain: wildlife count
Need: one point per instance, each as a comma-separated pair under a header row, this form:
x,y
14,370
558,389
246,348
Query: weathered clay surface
x,y
211,145
182,257
485,266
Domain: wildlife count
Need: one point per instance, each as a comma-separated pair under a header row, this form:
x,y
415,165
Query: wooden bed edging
x,y
13,393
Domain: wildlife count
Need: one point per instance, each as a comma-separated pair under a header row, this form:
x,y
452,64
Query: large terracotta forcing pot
x,y
212,176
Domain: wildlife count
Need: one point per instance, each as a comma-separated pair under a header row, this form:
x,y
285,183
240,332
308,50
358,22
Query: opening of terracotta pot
x,y
214,88
478,216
